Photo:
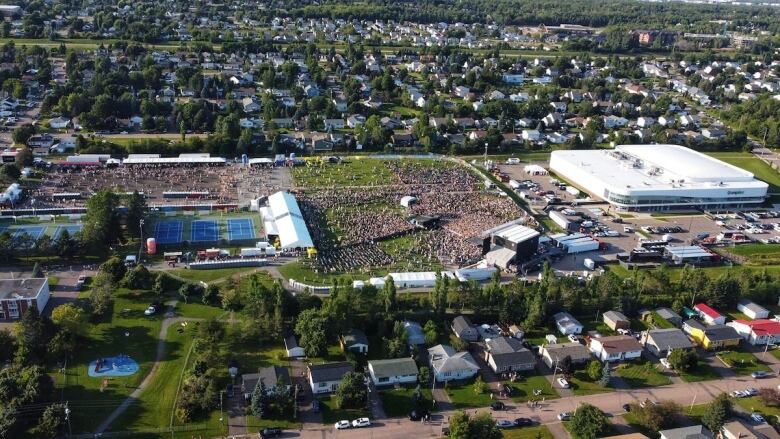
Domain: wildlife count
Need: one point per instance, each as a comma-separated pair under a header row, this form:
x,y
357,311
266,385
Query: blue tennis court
x,y
242,228
168,232
204,230
72,230
35,232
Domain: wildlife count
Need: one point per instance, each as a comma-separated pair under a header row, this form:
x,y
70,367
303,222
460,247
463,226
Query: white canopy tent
x,y
282,217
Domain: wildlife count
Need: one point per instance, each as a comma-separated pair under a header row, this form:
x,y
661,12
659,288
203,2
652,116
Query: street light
x,y
141,230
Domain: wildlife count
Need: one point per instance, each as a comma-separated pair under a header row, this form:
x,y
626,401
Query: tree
x,y
566,366
7,346
716,412
431,333
139,278
136,209
482,426
389,295
594,370
65,246
22,134
683,360
51,422
100,223
24,157
70,318
259,404
606,374
211,295
115,268
351,392
32,334
480,386
311,329
588,422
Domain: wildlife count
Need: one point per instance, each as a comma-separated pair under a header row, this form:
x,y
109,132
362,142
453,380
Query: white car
x,y
152,310
361,422
563,383
573,338
738,394
757,418
342,425
665,363
504,423
565,416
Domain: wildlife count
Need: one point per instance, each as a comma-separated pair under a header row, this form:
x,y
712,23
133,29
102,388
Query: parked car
x,y
573,338
565,416
342,425
417,415
760,374
361,422
504,423
315,406
153,309
738,394
497,405
563,383
756,417
230,391
523,422
270,432
647,402
627,407
509,390
751,391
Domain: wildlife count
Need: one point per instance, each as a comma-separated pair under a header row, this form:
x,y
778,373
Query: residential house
x,y
449,365
736,429
645,122
325,378
670,316
334,124
505,354
414,333
513,79
612,121
693,432
393,371
292,348
250,105
559,107
270,376
567,324
758,332
616,320
464,329
59,123
712,337
616,348
531,135
355,120
553,353
354,341
660,341
340,104
709,315
461,91
751,309
19,295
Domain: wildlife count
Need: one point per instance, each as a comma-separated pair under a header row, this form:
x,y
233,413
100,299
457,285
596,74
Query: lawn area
x,y
694,413
398,402
209,276
332,414
355,171
582,385
301,272
742,363
524,389
757,254
702,372
751,163
643,374
540,431
463,396
754,404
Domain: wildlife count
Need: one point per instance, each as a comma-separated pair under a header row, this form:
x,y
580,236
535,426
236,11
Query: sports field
x,y
173,230
36,230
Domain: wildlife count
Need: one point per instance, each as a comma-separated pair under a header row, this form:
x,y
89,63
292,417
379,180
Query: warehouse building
x,y
658,178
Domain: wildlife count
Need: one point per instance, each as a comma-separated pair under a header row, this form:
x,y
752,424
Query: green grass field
x,y
525,387
332,414
742,363
702,372
464,396
642,375
581,385
757,254
538,432
398,402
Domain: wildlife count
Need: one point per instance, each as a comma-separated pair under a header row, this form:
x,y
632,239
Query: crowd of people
x,y
358,257
448,177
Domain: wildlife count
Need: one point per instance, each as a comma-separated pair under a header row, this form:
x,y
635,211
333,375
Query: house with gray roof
x,y
693,432
506,354
660,341
553,353
393,371
670,316
325,378
616,320
448,365
355,341
269,376
567,324
464,329
752,310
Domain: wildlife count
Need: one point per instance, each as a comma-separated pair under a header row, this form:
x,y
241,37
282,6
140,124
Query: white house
x,y
292,348
325,378
752,309
335,124
355,120
757,332
393,371
645,122
59,122
612,121
531,135
709,315
616,348
450,365
513,79
567,324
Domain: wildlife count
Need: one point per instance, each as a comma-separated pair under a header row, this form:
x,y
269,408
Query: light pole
x,y
141,230
67,418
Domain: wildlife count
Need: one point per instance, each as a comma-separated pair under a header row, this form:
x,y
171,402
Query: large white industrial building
x,y
658,177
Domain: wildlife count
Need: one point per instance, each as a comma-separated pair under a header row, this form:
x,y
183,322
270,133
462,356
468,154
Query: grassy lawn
x,y
537,432
702,372
757,254
398,402
642,375
524,389
303,273
742,363
582,385
754,404
332,414
751,163
209,276
694,413
464,397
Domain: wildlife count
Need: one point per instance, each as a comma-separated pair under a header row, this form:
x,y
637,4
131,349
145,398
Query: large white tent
x,y
282,217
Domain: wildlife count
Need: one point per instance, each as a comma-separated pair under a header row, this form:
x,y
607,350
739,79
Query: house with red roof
x,y
758,332
708,315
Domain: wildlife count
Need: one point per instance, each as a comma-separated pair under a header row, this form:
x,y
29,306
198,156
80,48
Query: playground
x,y
119,366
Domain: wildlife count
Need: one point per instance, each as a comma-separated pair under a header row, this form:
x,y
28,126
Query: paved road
x,y
611,403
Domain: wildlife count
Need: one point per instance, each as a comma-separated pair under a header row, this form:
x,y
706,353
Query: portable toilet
x,y
151,246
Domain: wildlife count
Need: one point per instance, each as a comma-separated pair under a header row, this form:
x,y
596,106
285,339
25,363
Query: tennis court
x,y
168,232
204,230
72,230
241,228
35,232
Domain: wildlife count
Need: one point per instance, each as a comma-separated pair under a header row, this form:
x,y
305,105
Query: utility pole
x,y
141,230
67,418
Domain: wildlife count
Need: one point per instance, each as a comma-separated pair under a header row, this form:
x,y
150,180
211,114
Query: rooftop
x,y
21,288
329,371
393,367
